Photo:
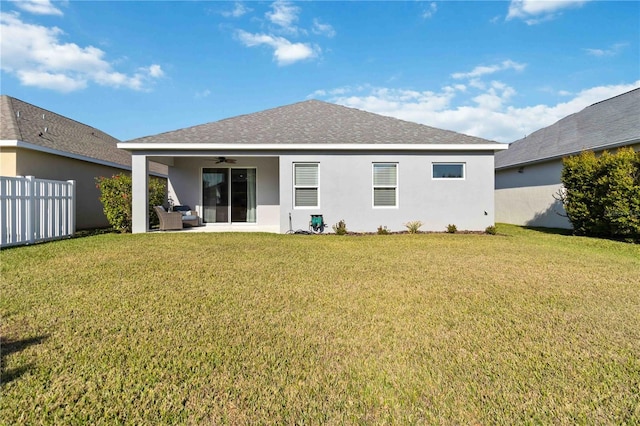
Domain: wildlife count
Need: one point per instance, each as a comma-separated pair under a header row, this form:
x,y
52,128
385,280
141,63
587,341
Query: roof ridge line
x,y
613,97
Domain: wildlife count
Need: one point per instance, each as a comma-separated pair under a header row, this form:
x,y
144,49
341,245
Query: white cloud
x,y
284,51
429,11
284,15
38,7
323,29
239,9
537,11
495,97
613,50
154,71
490,69
37,56
338,91
484,113
47,80
203,94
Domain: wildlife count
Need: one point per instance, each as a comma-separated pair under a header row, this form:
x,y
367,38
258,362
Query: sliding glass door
x,y
229,195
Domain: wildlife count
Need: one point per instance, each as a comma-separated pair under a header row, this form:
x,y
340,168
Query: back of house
x,y
274,170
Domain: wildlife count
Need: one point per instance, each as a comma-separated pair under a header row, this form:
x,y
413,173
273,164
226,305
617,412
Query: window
x,y
305,185
448,170
385,185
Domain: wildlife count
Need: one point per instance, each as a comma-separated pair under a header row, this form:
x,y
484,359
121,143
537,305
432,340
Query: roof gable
x,y
604,125
310,123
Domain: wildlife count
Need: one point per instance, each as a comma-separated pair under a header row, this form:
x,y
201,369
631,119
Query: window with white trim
x,y
448,171
385,185
306,185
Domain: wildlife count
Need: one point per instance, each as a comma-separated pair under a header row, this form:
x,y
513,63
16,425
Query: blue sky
x,y
498,70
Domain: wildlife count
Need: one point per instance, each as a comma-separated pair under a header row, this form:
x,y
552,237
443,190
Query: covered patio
x,y
229,192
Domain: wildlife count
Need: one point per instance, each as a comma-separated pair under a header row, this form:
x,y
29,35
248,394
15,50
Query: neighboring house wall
x,y
525,196
346,192
89,212
8,161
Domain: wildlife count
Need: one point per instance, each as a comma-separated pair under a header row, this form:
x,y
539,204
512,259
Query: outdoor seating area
x,y
180,217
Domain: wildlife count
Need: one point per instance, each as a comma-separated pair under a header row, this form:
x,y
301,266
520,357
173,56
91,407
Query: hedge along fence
x,y
116,194
602,193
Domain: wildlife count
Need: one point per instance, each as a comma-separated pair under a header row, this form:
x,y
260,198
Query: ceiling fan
x,y
225,160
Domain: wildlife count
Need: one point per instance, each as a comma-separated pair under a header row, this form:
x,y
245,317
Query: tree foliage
x,y
115,196
602,193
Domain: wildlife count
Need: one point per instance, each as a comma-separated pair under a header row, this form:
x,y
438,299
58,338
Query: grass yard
x,y
168,328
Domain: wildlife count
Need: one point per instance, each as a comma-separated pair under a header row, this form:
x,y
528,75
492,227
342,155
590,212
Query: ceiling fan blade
x,y
225,160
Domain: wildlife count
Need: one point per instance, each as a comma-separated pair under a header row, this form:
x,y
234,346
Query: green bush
x,y
115,196
602,194
340,228
452,229
491,230
382,230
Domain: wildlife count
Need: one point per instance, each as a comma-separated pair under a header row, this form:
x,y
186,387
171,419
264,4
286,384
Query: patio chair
x,y
189,217
168,220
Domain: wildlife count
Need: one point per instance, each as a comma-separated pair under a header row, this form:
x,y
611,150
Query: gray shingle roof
x,y
25,122
312,122
604,125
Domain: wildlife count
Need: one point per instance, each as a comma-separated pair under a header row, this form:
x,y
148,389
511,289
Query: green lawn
x,y
521,327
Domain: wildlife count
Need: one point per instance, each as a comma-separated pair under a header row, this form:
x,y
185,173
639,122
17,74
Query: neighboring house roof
x,y
310,123
608,124
27,126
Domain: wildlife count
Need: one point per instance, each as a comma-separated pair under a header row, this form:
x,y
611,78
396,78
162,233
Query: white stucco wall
x,y
346,192
525,196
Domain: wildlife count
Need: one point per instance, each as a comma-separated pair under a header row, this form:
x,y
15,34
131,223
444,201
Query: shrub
x,y
580,198
452,229
602,194
115,196
413,227
491,230
382,230
340,228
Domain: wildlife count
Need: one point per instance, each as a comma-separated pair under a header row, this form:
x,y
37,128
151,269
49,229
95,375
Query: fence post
x,y
31,209
72,207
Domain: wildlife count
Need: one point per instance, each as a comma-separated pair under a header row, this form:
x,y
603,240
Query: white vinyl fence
x,y
34,210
